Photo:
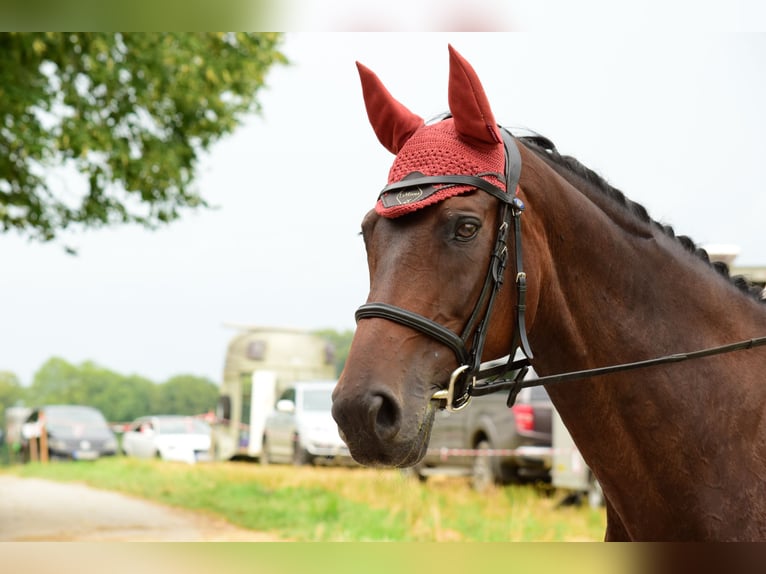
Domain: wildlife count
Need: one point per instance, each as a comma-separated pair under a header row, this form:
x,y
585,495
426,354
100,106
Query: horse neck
x,y
608,289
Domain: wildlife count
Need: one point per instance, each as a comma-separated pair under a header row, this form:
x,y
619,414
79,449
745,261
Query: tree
x,y
186,395
11,393
130,112
341,341
57,381
120,398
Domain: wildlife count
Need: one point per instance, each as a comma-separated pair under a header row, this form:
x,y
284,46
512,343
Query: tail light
x,y
524,415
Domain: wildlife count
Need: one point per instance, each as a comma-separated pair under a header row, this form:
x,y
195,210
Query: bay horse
x,y
679,447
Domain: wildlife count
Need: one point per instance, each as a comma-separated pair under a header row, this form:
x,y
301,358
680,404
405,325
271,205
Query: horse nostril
x,y
373,414
385,416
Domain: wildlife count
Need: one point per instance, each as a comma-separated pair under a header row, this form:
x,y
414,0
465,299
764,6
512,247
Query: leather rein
x,y
472,377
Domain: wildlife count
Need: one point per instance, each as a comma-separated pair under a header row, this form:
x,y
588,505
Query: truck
x,y
491,443
260,363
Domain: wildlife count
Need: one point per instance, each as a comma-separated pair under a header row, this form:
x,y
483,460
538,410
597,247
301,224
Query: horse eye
x,y
466,230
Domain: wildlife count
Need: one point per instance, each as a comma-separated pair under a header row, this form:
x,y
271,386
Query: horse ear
x,y
468,103
393,123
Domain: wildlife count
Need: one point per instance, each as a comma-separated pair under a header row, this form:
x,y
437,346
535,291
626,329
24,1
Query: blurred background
x,y
163,193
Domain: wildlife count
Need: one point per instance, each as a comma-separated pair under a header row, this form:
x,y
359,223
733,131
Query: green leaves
x,y
131,113
121,398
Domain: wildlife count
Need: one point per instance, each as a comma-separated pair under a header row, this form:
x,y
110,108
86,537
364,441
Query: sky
x,y
676,122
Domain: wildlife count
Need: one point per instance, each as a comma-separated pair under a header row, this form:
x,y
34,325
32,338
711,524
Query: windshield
x,y
183,425
72,415
76,421
317,400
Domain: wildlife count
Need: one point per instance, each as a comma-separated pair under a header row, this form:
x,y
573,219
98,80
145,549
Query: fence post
x,y
43,441
33,449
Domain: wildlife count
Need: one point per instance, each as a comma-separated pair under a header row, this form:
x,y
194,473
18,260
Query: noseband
x,y
470,368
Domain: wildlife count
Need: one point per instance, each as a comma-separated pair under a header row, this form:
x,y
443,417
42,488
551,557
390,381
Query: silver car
x,y
169,437
300,430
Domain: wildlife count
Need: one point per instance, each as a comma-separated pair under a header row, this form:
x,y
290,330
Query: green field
x,y
338,504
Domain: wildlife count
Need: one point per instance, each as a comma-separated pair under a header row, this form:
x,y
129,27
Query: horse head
x,y
432,226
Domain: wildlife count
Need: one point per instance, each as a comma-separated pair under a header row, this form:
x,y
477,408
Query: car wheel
x,y
264,458
482,473
301,456
510,474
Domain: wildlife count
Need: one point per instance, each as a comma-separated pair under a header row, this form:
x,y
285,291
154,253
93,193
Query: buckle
x,y
448,394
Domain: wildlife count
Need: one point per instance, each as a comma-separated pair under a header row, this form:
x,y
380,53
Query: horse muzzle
x,y
374,426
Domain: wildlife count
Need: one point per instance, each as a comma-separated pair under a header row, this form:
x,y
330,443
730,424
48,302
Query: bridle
x,y
470,368
472,377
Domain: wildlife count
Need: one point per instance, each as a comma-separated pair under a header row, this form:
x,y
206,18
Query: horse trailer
x,y
260,363
569,471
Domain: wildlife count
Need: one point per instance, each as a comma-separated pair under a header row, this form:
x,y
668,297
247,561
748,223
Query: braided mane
x,y
539,146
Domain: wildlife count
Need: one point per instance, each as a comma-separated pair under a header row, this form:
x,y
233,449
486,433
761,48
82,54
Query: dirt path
x,y
38,510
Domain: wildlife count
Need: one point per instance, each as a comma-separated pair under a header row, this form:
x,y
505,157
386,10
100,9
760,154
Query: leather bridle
x,y
472,377
470,368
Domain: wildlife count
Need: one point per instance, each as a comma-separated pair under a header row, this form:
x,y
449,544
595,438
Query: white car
x,y
169,437
301,429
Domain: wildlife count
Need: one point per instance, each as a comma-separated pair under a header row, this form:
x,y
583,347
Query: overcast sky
x,y
676,122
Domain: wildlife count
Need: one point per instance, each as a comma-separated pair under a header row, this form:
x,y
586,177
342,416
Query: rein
x,y
515,384
472,377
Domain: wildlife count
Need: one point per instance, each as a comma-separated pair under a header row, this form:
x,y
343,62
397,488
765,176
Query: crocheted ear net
x,y
437,149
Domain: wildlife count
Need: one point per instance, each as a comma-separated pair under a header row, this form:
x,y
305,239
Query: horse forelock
x,y
640,213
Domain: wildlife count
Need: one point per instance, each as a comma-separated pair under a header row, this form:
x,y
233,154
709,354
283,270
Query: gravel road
x,y
40,510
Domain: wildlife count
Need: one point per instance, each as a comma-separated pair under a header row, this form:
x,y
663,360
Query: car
x,y
300,430
168,437
74,432
491,443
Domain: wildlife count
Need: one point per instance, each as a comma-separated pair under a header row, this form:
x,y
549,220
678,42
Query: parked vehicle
x,y
169,437
70,432
570,472
260,363
301,429
492,443
15,417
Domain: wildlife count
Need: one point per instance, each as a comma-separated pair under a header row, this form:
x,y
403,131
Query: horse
x,y
456,297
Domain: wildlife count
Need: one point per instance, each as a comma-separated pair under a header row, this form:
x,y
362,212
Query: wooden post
x,y
43,441
33,449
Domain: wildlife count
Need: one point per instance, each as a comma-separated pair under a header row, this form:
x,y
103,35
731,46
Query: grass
x,y
338,504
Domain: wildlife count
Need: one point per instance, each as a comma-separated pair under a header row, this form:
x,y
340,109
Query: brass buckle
x,y
448,394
